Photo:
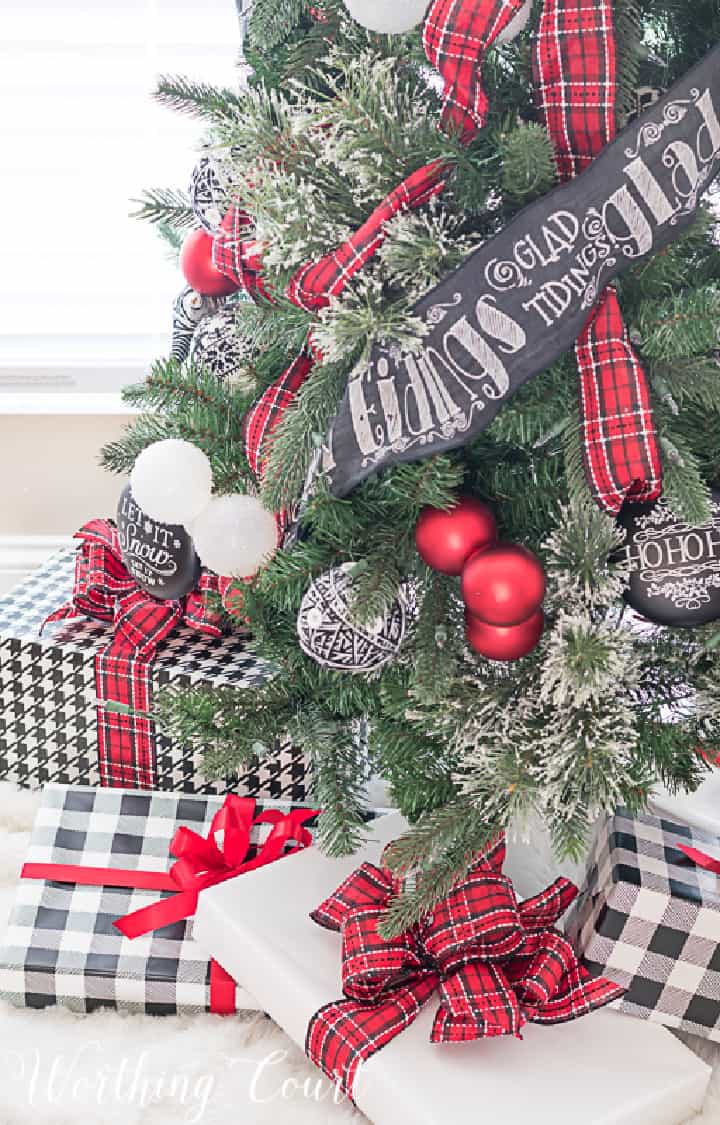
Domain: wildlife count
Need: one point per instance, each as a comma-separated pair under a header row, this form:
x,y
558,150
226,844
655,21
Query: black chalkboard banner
x,y
520,301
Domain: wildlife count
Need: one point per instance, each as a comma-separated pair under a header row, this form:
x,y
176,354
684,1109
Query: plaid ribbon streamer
x,y
238,255
574,64
312,288
457,35
497,963
104,589
316,283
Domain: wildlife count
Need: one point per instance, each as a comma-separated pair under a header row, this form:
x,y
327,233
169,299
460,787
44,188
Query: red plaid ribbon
x,y
497,963
316,283
104,589
574,65
239,257
238,254
457,36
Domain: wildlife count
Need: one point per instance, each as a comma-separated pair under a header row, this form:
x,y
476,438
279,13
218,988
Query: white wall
x,y
50,484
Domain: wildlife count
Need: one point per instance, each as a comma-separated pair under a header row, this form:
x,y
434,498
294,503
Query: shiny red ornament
x,y
196,263
446,539
504,642
503,584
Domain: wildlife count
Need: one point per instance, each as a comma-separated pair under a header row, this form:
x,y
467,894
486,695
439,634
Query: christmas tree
x,y
377,670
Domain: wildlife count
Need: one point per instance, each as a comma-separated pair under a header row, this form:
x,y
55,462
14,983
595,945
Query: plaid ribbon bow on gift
x,y
105,590
497,964
574,64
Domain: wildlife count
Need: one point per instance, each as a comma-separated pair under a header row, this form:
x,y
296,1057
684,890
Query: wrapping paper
x,y
48,717
649,918
61,946
604,1069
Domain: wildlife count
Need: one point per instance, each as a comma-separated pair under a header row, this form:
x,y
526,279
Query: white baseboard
x,y
21,554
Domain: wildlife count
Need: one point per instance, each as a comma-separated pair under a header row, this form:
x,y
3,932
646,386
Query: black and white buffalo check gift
x,y
649,918
61,946
48,716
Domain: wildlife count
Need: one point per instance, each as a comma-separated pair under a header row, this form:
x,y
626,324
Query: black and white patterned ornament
x,y
328,632
674,568
210,192
189,309
218,347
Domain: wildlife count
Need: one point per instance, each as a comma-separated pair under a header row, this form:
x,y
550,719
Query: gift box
x,y
48,713
649,916
96,857
604,1068
700,809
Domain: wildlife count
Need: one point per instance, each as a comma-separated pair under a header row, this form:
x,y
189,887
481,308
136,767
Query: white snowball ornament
x,y
235,535
517,24
172,481
389,17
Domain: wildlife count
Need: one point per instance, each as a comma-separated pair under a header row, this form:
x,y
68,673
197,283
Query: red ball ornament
x,y
504,642
504,584
196,263
445,540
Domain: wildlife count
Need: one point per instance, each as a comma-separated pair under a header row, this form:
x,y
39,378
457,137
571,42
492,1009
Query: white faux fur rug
x,y
58,1068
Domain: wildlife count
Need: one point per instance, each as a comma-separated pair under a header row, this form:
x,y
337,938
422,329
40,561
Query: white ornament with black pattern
x,y
331,636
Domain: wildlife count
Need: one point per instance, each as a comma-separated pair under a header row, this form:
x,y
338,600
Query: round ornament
x,y
504,642
517,24
189,310
388,18
160,556
218,347
210,192
328,632
503,584
172,481
235,535
674,568
200,272
446,539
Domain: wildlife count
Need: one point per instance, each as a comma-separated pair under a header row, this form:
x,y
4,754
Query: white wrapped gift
x,y
603,1069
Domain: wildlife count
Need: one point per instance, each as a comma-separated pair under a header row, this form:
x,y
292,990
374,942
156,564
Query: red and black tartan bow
x,y
105,590
574,64
496,962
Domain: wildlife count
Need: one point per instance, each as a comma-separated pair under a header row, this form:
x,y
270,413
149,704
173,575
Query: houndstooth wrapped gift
x,y
649,917
48,714
62,946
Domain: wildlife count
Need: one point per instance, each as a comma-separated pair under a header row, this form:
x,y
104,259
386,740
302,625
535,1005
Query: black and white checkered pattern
x,y
649,919
61,946
48,725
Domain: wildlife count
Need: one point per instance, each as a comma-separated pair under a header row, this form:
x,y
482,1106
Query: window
x,y
86,292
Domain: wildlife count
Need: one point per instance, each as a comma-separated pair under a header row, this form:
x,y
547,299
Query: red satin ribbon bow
x,y
497,963
201,862
204,861
104,589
